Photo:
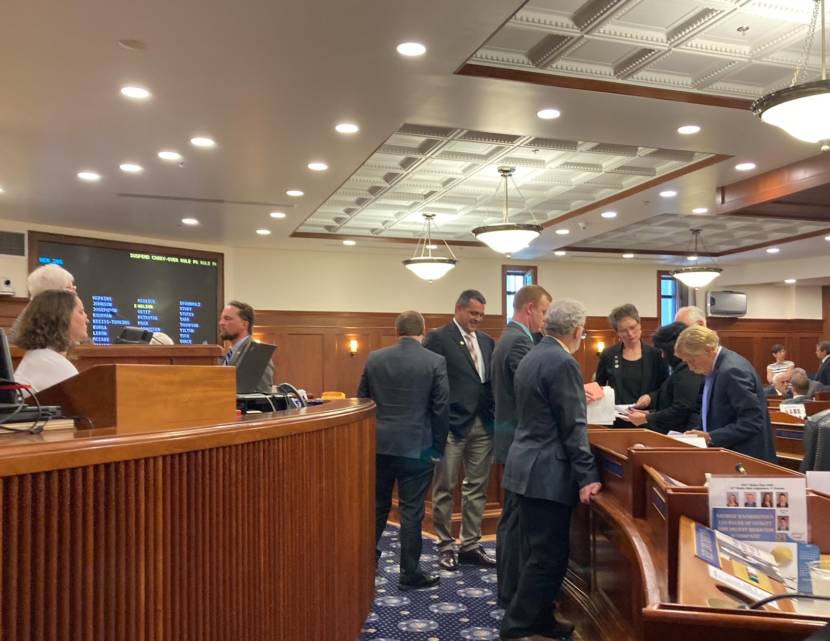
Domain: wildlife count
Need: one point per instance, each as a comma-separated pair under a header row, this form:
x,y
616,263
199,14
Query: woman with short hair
x,y
53,321
781,365
631,367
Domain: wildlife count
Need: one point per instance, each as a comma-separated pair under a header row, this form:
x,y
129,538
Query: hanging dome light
x,y
801,109
699,275
423,264
507,237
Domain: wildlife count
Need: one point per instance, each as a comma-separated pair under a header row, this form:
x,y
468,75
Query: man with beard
x,y
235,325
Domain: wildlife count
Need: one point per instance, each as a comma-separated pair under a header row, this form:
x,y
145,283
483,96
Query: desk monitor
x,y
250,369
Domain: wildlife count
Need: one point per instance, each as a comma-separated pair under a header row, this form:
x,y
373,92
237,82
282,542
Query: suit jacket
x,y
737,416
550,457
823,373
469,397
676,405
409,386
797,400
510,349
655,370
267,379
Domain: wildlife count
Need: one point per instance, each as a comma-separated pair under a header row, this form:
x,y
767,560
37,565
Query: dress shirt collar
x,y
524,327
464,333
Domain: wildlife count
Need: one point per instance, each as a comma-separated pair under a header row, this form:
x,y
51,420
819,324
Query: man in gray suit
x,y
409,386
236,325
529,307
548,466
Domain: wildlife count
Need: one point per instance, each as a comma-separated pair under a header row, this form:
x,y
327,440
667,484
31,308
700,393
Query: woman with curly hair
x,y
53,321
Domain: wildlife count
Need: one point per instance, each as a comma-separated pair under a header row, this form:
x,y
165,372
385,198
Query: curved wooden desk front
x,y
260,530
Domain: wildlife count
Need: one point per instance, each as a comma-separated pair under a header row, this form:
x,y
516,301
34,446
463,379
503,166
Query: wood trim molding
x,y
517,268
603,86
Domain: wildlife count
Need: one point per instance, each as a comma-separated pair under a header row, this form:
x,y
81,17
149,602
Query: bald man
x,y
690,315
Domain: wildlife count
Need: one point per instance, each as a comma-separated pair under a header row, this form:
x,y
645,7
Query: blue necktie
x,y
704,409
227,360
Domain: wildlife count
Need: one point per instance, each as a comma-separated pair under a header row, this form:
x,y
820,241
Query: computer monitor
x,y
7,396
250,369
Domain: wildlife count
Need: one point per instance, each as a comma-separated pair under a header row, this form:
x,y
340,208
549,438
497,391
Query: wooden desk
x,y
85,356
258,529
788,432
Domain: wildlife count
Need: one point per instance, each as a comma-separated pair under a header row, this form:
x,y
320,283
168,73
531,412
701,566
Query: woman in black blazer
x,y
630,367
676,404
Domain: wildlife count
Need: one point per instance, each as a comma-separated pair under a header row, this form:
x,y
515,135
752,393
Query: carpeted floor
x,y
462,607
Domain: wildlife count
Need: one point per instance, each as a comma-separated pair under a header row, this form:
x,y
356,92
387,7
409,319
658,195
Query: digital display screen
x,y
160,291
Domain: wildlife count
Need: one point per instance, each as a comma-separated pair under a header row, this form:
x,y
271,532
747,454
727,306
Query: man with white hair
x,y
690,315
548,466
43,279
48,277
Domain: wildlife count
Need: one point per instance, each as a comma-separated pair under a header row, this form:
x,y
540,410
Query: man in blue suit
x,y
530,304
549,465
734,406
409,386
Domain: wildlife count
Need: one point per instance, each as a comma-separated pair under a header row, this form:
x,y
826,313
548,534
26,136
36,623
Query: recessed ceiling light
x,y
135,92
432,247
700,210
688,130
131,168
692,257
668,193
560,252
548,114
773,250
745,166
263,232
790,281
170,156
2,191
563,232
349,243
628,255
277,214
827,238
411,49
203,141
317,166
89,176
294,193
609,214
346,128
190,221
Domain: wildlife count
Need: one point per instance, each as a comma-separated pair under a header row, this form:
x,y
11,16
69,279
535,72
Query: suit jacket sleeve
x,y
433,343
662,368
363,388
680,414
602,368
567,388
440,407
751,420
517,352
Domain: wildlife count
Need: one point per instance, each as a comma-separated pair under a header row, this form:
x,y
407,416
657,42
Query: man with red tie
x,y
468,352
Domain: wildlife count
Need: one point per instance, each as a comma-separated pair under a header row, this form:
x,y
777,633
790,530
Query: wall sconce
x,y
353,345
599,347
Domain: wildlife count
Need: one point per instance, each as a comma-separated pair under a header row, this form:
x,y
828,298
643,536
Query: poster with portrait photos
x,y
759,508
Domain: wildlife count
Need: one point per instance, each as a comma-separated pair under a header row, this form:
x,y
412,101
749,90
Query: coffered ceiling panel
x,y
737,48
453,173
671,233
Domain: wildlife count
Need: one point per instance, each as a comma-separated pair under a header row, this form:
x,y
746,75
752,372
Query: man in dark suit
x,y
409,386
468,353
548,466
236,324
801,388
734,407
823,355
529,307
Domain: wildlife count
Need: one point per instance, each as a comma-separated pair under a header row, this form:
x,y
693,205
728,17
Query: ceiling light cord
x,y
808,43
823,45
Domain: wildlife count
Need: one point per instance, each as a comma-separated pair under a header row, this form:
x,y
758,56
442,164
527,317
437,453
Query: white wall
x,y
348,280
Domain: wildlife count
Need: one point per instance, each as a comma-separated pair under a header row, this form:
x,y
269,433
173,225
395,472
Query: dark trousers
x,y
510,549
413,477
544,527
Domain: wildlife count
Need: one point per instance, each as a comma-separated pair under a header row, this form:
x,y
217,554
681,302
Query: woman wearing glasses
x,y
630,367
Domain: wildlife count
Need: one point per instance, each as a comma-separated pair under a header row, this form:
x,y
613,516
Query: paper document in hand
x,y
601,412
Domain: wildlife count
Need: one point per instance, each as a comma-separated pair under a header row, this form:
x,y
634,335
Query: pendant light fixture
x,y
699,275
802,109
507,237
423,264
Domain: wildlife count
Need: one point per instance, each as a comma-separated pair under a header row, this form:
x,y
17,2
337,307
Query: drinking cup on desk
x,y
820,576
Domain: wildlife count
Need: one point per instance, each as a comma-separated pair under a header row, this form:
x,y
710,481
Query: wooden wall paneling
x,y
348,367
300,360
825,312
10,309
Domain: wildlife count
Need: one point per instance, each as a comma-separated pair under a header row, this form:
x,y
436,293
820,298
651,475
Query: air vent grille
x,y
12,243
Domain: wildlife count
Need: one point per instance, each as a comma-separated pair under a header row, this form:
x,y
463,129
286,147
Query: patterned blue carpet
x,y
462,607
